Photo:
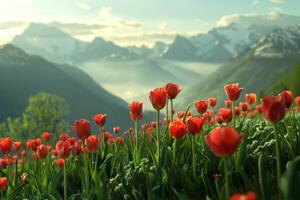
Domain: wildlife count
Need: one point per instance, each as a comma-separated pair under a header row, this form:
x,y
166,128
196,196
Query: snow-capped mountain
x,y
233,35
279,43
48,42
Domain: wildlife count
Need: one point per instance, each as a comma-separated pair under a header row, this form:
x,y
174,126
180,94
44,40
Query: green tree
x,y
44,112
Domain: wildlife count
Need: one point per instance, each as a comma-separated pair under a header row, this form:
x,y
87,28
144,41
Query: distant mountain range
x,y
257,70
23,75
218,45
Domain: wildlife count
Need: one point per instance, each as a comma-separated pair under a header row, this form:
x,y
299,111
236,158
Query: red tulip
x,y
240,196
251,98
153,124
297,100
237,111
259,108
172,90
273,108
63,149
46,136
23,153
17,145
219,119
158,98
226,114
244,106
116,130
82,128
233,91
201,106
77,149
3,162
60,163
177,129
64,136
180,114
3,183
6,145
92,143
100,119
212,101
287,97
136,109
194,124
223,141
119,140
42,151
228,103
71,140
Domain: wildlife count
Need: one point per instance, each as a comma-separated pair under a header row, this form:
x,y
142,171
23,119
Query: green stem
x,y
86,169
174,151
226,178
278,158
65,181
171,110
194,156
136,133
167,111
233,114
158,138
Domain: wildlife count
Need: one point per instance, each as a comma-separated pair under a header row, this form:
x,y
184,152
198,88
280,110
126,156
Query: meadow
x,y
242,149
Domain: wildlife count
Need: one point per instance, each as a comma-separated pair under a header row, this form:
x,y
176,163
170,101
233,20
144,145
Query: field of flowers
x,y
247,149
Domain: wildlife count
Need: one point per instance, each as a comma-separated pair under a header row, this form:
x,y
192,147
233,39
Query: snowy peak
x,y
279,43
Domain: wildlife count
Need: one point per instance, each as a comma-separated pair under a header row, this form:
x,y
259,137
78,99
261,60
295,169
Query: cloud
x,y
255,2
273,18
277,1
163,25
10,25
128,24
83,6
12,2
105,12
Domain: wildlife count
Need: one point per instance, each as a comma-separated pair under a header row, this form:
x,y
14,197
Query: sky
x,y
131,22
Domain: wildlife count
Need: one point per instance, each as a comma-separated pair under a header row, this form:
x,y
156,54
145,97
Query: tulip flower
x,y
3,162
287,97
100,119
63,148
259,108
64,136
77,149
297,100
6,145
17,145
228,103
194,125
233,91
46,136
219,119
82,128
3,183
226,114
251,98
212,101
116,130
119,140
92,143
273,108
158,98
237,111
42,151
244,106
60,163
240,196
201,106
136,109
172,90
177,129
223,141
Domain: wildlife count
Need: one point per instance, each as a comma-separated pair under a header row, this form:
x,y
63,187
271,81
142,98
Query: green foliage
x,y
44,112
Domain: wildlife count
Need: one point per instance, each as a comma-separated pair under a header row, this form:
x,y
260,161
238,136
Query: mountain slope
x,y
22,75
256,69
48,42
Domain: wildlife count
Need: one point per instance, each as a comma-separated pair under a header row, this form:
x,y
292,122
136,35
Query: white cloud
x,y
11,2
255,2
105,12
277,1
83,6
163,25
